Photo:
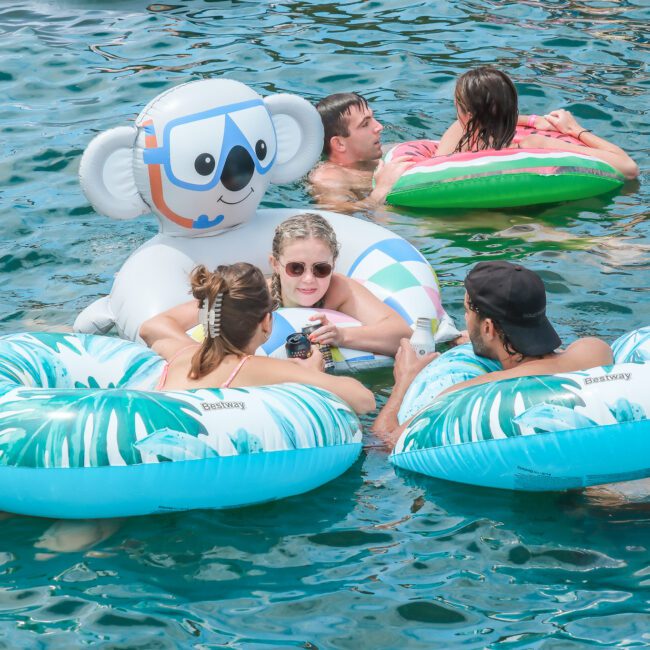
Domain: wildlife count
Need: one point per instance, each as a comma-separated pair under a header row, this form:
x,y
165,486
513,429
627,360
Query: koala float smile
x,y
200,157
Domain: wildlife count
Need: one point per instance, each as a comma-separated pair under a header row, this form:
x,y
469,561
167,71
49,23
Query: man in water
x,y
505,313
352,147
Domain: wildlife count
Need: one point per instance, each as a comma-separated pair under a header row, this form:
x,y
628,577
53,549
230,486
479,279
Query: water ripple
x,y
377,558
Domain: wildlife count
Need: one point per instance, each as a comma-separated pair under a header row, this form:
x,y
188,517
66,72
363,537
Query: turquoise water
x,y
377,558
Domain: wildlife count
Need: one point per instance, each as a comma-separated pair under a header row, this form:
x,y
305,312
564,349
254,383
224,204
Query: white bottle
x,y
422,340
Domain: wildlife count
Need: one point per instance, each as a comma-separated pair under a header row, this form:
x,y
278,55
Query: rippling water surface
x,y
376,559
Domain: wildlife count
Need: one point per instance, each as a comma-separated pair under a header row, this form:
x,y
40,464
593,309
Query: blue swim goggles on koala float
x,y
227,155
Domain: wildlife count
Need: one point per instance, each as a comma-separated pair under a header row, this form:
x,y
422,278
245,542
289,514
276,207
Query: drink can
x,y
328,361
298,346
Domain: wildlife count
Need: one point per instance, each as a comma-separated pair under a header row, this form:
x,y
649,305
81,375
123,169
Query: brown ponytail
x,y
245,302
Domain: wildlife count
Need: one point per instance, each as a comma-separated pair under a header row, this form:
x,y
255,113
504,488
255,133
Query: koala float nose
x,y
238,169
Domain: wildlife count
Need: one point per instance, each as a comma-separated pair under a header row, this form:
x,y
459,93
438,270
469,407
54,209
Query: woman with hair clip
x,y
488,113
234,307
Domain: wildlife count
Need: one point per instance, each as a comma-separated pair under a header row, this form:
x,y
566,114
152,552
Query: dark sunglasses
x,y
319,270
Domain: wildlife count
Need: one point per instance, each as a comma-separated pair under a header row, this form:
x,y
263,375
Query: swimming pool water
x,y
377,558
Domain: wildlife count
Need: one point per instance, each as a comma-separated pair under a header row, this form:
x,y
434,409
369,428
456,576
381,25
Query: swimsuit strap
x,y
165,370
233,374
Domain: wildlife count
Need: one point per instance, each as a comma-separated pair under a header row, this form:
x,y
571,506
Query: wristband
x,y
581,132
531,121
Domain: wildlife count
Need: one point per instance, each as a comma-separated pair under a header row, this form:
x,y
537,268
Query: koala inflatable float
x,y
200,157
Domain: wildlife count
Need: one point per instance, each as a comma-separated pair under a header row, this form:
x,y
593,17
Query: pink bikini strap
x,y
179,352
233,374
165,371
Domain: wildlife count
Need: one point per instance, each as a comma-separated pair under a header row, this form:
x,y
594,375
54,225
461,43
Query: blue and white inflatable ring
x,y
84,435
539,433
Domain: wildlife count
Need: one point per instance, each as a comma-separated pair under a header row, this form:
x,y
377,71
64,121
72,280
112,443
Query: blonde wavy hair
x,y
303,226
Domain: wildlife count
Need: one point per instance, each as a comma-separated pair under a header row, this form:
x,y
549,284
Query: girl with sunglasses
x,y
234,306
303,256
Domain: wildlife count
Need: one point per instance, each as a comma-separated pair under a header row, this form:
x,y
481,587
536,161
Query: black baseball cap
x,y
514,297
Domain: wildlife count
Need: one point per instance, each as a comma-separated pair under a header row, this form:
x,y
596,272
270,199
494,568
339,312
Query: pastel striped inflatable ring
x,y
498,179
84,435
286,321
540,433
155,277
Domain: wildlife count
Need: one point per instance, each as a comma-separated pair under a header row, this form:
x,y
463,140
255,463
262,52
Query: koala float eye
x,y
204,164
260,149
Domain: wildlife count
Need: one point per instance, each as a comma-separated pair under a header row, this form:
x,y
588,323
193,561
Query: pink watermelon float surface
x,y
498,178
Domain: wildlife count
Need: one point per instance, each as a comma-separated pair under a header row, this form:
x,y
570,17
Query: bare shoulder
x,y
339,291
588,352
585,353
327,173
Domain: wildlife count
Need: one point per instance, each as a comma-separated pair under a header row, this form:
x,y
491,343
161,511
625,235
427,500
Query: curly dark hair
x,y
508,346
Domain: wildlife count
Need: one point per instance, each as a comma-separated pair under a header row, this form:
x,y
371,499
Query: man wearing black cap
x,y
505,313
505,305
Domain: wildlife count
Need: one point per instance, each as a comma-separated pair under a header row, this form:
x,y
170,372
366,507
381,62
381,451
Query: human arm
x,y
407,367
589,352
381,327
350,390
539,122
167,331
450,139
385,176
346,190
564,122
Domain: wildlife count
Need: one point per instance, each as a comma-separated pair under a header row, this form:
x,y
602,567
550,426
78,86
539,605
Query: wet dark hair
x,y
489,98
508,346
334,112
245,300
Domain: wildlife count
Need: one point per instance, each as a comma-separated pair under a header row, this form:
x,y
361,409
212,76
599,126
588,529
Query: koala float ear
x,y
106,174
299,132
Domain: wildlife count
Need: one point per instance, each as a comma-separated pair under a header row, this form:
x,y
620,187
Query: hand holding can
x,y
328,361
